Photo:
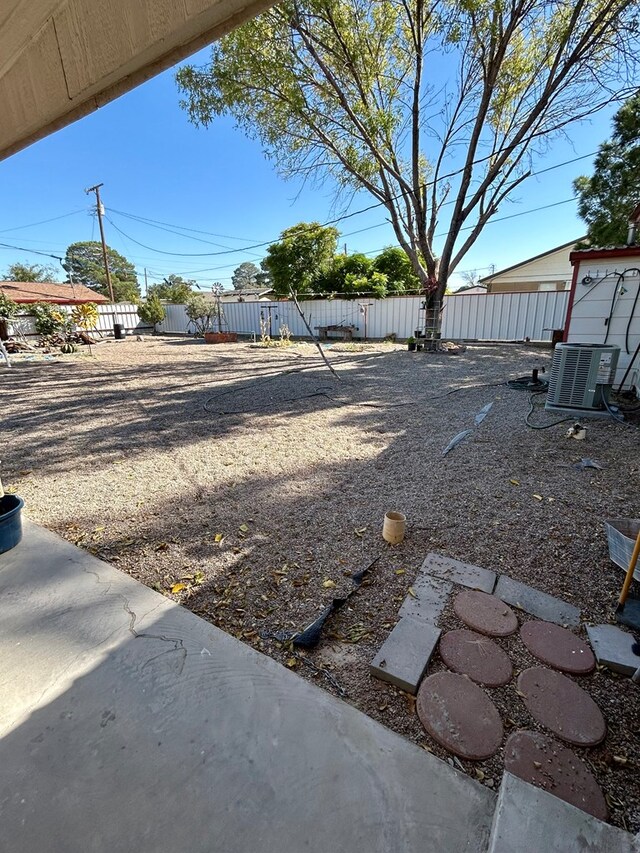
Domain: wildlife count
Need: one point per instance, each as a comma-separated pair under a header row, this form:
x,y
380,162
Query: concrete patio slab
x,y
525,812
128,723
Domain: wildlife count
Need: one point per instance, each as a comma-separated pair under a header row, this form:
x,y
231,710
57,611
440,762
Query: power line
x,y
32,251
333,221
44,221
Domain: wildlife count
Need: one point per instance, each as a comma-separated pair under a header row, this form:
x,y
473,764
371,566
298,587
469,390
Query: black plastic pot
x,y
10,522
411,346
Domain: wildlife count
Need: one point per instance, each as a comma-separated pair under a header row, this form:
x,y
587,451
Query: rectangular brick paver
x,y
536,603
405,654
474,577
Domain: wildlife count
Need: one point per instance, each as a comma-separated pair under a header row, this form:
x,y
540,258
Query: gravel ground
x,y
249,485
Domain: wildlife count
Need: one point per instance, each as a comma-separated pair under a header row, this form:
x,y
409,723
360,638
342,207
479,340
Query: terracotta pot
x,y
220,337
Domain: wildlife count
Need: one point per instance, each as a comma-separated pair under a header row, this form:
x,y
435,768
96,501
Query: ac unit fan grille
x,y
575,378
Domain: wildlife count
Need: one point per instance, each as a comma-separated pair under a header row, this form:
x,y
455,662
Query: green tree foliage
x,y
302,254
84,264
31,272
174,289
263,278
152,310
395,264
201,312
48,318
245,276
417,102
8,308
608,197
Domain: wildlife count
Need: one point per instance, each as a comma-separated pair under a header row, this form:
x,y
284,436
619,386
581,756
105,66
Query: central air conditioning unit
x,y
581,378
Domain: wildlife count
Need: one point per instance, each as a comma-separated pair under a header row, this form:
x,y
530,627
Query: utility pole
x,y
146,285
100,210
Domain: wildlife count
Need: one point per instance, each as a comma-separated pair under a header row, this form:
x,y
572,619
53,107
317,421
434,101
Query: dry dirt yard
x,y
249,485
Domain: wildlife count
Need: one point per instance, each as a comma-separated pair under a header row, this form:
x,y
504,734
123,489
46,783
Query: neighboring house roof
x,y
476,288
26,292
489,278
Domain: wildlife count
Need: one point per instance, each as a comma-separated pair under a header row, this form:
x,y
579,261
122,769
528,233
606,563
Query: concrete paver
x,y
429,599
557,647
562,706
474,577
612,647
485,613
476,656
528,819
130,724
405,653
549,765
459,715
537,603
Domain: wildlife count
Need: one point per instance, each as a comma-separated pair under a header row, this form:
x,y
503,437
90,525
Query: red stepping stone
x,y
560,705
459,715
476,656
485,613
558,647
545,763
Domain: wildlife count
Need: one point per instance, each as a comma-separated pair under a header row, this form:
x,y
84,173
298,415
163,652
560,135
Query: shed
x,y
28,292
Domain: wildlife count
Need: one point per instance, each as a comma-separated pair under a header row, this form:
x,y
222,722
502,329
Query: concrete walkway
x,y
129,724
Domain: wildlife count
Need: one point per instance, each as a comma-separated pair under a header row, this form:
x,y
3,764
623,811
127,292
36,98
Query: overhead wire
x,y
345,216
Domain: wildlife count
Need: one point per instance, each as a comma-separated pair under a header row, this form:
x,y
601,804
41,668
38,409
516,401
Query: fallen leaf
x,y
291,662
328,584
244,528
218,537
359,531
514,482
98,529
620,759
399,572
198,578
537,764
479,774
538,497
383,707
178,587
412,592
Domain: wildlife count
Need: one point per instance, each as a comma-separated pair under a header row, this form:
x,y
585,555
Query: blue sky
x,y
154,164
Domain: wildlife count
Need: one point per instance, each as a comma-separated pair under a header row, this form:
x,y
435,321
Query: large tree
x,y
245,276
84,264
420,102
173,288
608,197
31,272
300,256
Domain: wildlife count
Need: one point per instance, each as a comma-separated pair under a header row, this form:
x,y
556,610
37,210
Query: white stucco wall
x,y
592,305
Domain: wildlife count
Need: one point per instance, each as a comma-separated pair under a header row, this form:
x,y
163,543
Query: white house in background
x,y
264,295
548,271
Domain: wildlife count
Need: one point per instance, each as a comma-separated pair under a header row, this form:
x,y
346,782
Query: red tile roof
x,y
25,292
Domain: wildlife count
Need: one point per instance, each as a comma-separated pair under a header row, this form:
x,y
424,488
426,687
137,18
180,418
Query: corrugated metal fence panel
x,y
384,316
504,316
175,321
125,313
488,317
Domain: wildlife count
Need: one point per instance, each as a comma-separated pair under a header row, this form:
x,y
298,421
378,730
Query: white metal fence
x,y
482,317
473,317
124,313
504,316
